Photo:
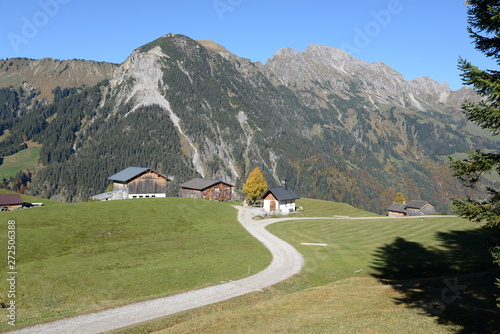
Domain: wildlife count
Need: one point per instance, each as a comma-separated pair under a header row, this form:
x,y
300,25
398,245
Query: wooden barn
x,y
10,202
138,182
396,210
279,199
207,189
414,208
419,208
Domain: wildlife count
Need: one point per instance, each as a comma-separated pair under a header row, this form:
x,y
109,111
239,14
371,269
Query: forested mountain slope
x,y
336,127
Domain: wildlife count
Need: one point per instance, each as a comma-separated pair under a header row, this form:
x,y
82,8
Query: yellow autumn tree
x,y
255,185
400,198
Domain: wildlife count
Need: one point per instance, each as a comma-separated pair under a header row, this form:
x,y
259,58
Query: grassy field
x,y
25,159
319,208
80,258
425,275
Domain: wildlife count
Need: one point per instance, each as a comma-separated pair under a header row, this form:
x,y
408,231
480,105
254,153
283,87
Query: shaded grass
x,y
353,246
80,258
25,159
341,289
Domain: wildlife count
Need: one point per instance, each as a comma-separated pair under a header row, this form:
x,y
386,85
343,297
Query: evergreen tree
x,y
484,29
400,198
255,185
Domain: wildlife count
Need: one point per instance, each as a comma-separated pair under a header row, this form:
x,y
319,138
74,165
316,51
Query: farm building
x,y
10,202
414,208
279,199
138,182
207,189
396,210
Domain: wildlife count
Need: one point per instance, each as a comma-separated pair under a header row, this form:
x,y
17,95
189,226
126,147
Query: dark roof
x,y
281,193
420,206
417,204
397,207
11,199
130,173
201,184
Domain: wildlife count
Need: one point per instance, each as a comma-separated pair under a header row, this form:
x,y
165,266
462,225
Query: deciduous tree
x,y
400,198
255,185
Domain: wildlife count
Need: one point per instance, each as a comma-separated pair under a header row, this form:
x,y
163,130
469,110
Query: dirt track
x,y
286,263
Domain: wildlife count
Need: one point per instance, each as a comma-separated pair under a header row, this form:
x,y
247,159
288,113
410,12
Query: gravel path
x,y
286,263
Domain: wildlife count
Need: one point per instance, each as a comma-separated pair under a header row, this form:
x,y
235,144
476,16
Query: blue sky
x,y
415,37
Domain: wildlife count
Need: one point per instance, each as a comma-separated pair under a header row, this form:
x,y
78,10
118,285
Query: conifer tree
x,y
484,29
255,185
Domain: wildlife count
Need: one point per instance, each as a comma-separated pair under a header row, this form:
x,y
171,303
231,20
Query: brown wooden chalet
x,y
10,202
138,182
207,189
414,208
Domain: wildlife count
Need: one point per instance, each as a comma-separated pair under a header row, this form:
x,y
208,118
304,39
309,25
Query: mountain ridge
x,y
338,129
44,75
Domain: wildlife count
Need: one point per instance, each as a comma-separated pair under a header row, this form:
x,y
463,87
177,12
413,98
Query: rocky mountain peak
x,y
322,66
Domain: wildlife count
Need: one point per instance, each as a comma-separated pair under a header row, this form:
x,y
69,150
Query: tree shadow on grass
x,y
453,282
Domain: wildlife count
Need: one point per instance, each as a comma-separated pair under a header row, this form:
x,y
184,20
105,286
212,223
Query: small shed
x,y
10,202
201,188
138,182
279,199
414,208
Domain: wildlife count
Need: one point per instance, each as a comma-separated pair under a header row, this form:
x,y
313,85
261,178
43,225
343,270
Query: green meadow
x,y
375,275
80,258
320,208
423,275
25,159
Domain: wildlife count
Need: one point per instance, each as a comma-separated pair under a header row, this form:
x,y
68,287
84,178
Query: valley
x,y
336,127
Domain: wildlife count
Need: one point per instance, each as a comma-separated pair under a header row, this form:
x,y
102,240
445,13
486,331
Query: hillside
x,y
84,257
338,128
41,76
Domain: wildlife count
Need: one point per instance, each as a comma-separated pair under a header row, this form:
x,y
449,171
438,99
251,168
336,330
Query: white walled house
x,y
279,199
